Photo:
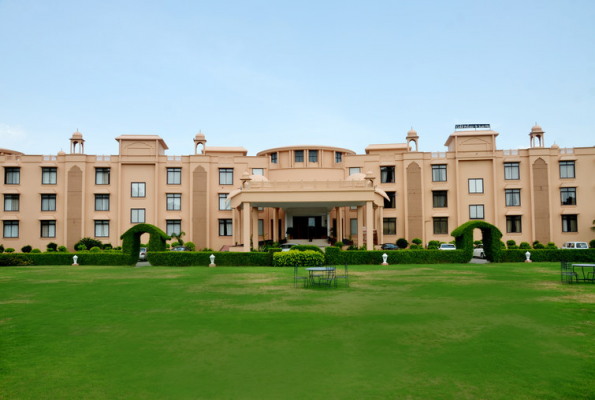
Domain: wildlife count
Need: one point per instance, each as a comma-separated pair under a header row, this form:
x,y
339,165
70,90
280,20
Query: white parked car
x,y
575,245
447,246
287,246
478,251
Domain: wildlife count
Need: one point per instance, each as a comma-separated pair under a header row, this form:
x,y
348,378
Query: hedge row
x,y
582,255
306,258
201,258
86,258
335,256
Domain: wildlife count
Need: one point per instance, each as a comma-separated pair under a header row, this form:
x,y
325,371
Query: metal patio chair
x,y
344,276
567,274
297,278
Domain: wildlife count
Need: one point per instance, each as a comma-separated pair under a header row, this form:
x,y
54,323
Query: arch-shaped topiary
x,y
490,236
131,239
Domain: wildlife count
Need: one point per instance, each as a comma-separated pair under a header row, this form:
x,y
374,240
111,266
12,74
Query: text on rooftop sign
x,y
472,126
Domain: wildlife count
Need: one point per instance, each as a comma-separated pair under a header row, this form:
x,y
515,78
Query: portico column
x,y
360,226
255,227
246,226
381,225
235,224
275,224
369,225
339,224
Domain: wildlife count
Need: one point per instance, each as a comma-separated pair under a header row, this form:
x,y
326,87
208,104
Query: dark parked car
x,y
180,248
389,246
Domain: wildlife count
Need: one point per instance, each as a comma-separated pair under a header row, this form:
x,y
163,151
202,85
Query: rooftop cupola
x,y
536,136
77,140
412,137
200,139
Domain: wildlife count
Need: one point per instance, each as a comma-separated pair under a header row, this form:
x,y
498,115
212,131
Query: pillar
x,y
360,226
339,224
275,224
381,225
246,226
255,227
369,225
235,224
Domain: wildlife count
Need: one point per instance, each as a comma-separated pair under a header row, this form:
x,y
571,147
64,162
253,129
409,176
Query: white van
x,y
575,245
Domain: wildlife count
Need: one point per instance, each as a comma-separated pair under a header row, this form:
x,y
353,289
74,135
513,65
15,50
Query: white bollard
x,y
212,257
384,258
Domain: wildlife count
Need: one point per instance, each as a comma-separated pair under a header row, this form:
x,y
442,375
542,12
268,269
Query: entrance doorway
x,y
308,228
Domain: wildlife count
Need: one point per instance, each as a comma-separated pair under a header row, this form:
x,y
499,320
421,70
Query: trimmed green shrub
x,y
416,247
524,246
491,239
10,250
510,243
547,255
59,258
226,258
89,243
538,246
1,248
7,260
51,246
131,240
107,246
416,241
190,245
336,257
95,249
591,244
26,249
551,246
308,258
339,244
402,243
81,247
35,251
62,249
304,247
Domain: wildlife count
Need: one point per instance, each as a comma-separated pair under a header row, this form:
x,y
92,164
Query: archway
x,y
491,237
131,239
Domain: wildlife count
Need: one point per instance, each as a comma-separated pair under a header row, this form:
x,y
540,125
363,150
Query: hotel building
x,y
222,198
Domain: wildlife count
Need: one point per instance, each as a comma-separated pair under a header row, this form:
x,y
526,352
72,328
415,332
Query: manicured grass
x,y
496,331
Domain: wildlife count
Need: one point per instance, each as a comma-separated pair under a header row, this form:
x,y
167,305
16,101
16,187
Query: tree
x,y
178,236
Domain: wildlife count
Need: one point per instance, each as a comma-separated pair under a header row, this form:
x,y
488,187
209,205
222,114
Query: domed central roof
x,y
536,128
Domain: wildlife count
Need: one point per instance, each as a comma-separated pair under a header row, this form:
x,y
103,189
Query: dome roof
x,y
412,132
555,146
77,135
536,128
61,153
199,136
258,178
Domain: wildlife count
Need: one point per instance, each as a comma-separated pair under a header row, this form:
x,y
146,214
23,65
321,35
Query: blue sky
x,y
262,74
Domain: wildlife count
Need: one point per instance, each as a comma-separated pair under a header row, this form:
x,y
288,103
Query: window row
x,y
12,175
47,229
511,171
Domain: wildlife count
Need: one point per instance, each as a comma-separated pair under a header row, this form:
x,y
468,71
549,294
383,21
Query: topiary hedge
x,y
304,247
131,239
544,255
491,236
306,258
201,259
57,258
336,257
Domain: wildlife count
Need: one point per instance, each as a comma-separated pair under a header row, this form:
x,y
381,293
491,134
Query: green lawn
x,y
424,331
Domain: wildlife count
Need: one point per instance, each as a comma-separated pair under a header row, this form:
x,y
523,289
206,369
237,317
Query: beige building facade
x,y
222,198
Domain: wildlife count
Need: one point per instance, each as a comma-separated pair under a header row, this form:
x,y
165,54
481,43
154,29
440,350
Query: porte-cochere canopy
x,y
491,237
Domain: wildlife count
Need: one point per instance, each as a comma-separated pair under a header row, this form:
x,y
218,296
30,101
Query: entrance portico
x,y
306,206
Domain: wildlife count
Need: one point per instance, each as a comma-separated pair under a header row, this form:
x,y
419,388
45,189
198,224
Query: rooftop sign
x,y
472,126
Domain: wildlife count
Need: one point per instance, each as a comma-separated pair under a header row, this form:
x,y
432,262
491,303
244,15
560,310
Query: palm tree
x,y
178,236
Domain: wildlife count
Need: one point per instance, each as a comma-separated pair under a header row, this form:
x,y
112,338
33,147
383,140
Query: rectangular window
x,y
174,201
49,175
567,169
226,176
568,196
138,189
258,171
476,185
102,176
353,226
440,225
11,229
48,202
511,170
225,227
391,203
273,158
299,156
338,157
439,173
137,215
440,198
387,174
313,156
102,202
48,229
261,227
12,175
513,197
513,224
174,176
101,228
389,226
354,170
223,201
569,223
476,211
11,202
174,226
